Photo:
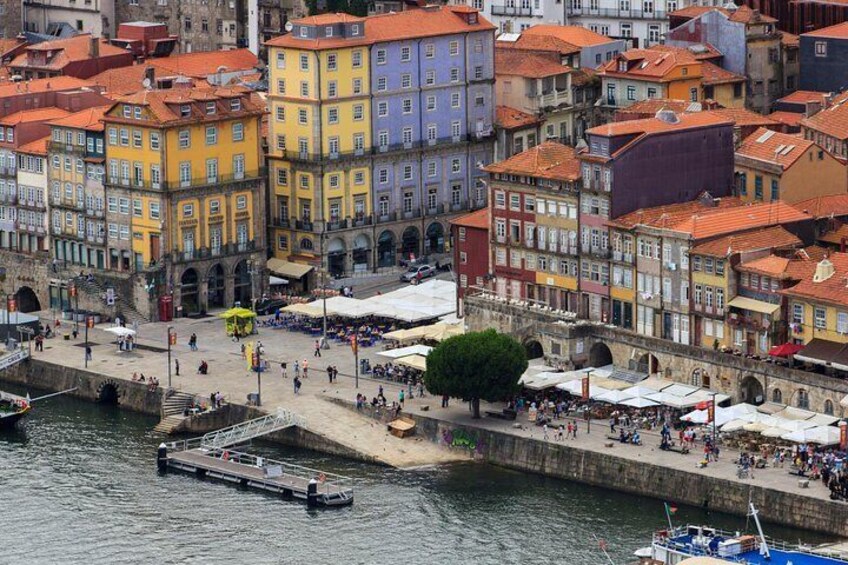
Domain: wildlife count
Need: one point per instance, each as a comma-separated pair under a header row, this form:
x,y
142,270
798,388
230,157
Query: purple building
x,y
639,164
432,78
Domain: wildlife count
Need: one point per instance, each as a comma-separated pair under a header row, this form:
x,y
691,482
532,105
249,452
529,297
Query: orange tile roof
x,y
825,206
510,118
650,106
835,236
324,19
833,290
744,118
791,119
804,97
650,126
164,104
770,265
669,215
530,65
773,147
396,26
742,14
789,39
796,266
7,45
832,121
649,63
838,31
774,237
36,115
701,51
37,147
713,74
547,43
67,50
746,15
478,220
60,83
574,35
549,160
125,80
204,64
695,11
90,119
719,222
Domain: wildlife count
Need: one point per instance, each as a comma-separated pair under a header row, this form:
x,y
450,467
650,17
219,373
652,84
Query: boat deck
x,y
685,545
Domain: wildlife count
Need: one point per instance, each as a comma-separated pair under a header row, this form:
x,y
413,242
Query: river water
x,y
78,484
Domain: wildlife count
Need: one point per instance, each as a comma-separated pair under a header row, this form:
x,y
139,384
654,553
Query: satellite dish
x,y
289,26
146,83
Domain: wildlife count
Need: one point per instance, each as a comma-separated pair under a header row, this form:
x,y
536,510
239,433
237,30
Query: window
x,y
241,202
358,111
137,208
842,322
282,177
453,48
798,313
406,80
332,89
631,93
405,54
381,84
153,209
211,107
383,175
380,56
407,172
455,100
356,59
125,137
211,135
185,139
301,116
430,78
304,89
332,61
281,86
803,399
357,86
304,60
406,105
454,74
775,189
429,51
238,131
382,109
431,103
820,318
333,115
281,60
821,48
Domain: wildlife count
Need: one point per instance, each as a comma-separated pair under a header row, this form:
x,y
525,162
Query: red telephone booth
x,y
166,308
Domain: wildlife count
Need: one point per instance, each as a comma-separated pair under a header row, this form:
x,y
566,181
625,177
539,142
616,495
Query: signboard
x,y
711,411
110,296
25,330
843,435
586,388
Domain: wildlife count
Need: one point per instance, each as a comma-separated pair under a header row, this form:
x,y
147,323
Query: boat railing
x,y
185,444
666,538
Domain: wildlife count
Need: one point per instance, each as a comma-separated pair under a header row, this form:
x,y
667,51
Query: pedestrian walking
x,y
192,342
400,398
444,401
561,433
297,385
88,353
421,389
118,321
75,333
317,349
177,366
335,373
330,373
409,384
296,368
305,368
236,336
283,369
545,432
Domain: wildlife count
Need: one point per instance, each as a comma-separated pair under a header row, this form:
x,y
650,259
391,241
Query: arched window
x,y
777,396
803,399
306,244
697,379
828,407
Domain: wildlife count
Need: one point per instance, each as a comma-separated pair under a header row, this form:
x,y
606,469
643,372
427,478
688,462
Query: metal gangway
x,y
251,429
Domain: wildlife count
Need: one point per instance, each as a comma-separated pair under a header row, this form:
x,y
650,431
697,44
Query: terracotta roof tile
x,y
713,74
789,39
719,222
510,118
649,63
670,214
549,160
530,65
700,51
396,26
204,64
825,206
775,237
478,219
164,104
745,14
650,126
744,118
833,290
770,265
835,236
574,35
791,119
37,115
695,11
804,97
774,147
650,106
37,147
90,119
547,43
324,19
838,31
832,121
60,83
68,50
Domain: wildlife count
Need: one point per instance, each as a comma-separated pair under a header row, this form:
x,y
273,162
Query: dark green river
x,y
78,484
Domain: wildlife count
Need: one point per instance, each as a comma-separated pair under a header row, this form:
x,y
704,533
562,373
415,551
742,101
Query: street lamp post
x,y
76,306
258,356
325,343
88,323
170,339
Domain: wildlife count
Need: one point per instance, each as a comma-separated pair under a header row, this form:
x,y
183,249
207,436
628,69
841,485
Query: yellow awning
x,y
287,268
754,305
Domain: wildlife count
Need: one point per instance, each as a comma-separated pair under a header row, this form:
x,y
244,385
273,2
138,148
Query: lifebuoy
x,y
322,477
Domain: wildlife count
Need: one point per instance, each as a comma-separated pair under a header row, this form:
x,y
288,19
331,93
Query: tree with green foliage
x,y
476,366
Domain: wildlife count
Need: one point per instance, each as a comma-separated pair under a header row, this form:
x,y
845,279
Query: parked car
x,y
419,272
267,307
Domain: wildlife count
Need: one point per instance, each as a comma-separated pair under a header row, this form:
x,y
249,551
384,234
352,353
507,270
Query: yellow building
x,y
320,133
818,304
184,171
772,165
623,281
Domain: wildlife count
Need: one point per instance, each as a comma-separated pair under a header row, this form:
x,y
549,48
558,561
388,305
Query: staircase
x,y
173,411
97,290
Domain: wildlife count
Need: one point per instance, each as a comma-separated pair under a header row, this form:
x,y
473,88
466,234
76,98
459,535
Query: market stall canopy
x,y
238,313
639,402
703,395
824,352
785,350
745,413
821,435
656,383
575,388
442,331
546,379
310,309
402,335
276,281
404,351
668,399
758,306
415,361
680,390
287,268
638,390
614,397
120,331
534,370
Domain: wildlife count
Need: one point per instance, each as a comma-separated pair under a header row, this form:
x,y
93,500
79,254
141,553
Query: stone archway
x,y
648,363
189,292
336,251
242,284
410,242
386,249
361,253
108,392
533,349
600,355
27,300
216,283
751,390
434,240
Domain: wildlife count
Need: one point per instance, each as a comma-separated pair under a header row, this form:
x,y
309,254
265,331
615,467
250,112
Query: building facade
x,y
379,127
32,214
94,16
471,259
824,58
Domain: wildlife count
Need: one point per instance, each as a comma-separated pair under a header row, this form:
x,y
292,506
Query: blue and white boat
x,y
677,544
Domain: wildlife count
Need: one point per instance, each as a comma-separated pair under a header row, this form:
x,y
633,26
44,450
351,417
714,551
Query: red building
x,y
801,17
145,39
470,252
81,56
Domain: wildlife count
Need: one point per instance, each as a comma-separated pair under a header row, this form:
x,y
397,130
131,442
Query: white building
x,y
85,16
31,220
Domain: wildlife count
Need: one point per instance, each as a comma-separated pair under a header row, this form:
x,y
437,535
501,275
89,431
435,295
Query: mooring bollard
x,y
162,457
312,493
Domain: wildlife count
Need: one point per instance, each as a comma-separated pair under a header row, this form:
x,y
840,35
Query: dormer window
x,y
354,29
304,32
210,108
127,111
235,104
137,112
328,31
472,18
622,66
185,111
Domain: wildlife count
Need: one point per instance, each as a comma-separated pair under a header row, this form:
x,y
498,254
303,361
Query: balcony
x,y
305,225
436,210
596,186
617,13
195,182
555,98
507,10
8,171
61,147
599,252
337,224
360,221
459,206
413,213
390,217
281,223
8,198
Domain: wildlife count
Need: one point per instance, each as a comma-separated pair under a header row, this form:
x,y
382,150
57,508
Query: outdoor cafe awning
x,y
287,268
824,352
754,305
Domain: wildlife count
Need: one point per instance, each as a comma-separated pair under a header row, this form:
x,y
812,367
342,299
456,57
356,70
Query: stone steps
x,y
176,403
169,424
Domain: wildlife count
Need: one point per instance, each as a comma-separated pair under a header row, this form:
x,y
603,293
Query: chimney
x,y
94,47
149,74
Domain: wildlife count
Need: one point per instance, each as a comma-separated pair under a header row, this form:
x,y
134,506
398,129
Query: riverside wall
x,y
605,469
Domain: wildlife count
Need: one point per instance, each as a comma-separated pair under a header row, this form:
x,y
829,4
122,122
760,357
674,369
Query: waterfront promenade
x,y
228,374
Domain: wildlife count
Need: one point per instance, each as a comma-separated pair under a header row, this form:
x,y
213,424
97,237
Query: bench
x,y
503,415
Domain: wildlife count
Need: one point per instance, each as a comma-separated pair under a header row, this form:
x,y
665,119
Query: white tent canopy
x,y
639,402
638,390
575,388
120,331
404,351
546,379
615,397
822,435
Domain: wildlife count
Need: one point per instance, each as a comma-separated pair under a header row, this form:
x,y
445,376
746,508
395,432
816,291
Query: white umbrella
x,y
773,432
639,402
637,390
822,435
614,397
575,388
669,399
545,379
120,331
697,417
734,425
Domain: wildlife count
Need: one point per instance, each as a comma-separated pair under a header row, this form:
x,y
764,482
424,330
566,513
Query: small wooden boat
x,y
12,409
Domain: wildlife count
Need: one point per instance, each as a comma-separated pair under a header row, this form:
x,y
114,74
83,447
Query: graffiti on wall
x,y
462,439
